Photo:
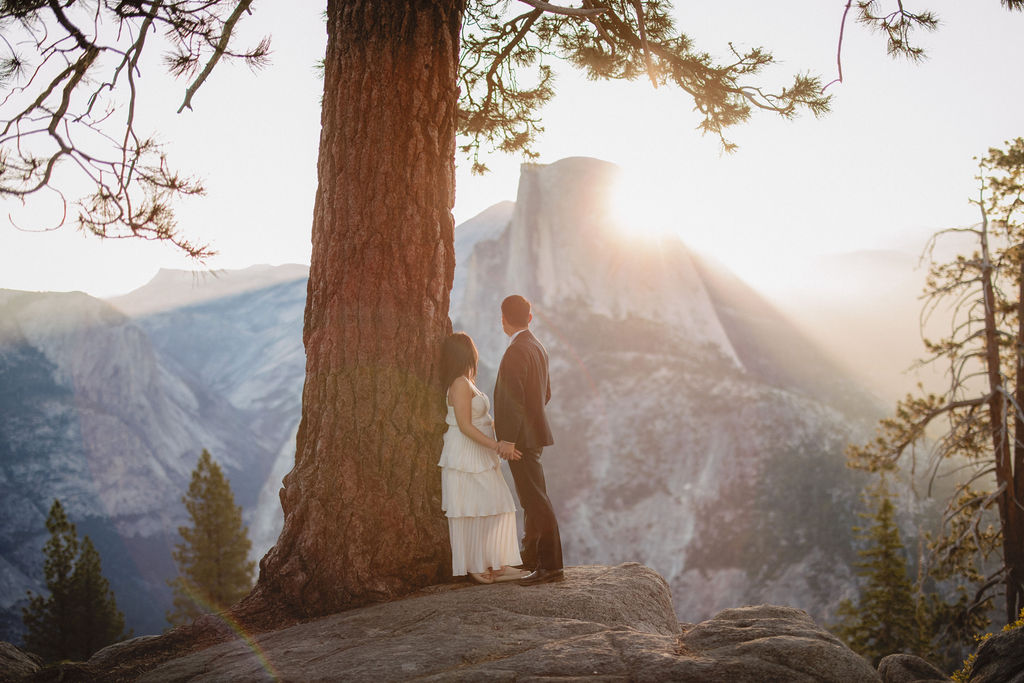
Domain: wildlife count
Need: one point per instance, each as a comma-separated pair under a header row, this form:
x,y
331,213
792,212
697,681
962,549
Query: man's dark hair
x,y
516,310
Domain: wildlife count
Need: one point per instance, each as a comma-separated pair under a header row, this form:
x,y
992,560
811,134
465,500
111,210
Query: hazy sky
x,y
891,163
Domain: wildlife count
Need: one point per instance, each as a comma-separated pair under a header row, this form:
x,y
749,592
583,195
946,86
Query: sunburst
x,y
645,204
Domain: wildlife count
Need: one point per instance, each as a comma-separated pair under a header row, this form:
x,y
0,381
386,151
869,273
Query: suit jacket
x,y
521,391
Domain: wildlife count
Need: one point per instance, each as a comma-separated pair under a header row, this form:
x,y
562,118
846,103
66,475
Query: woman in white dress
x,y
474,495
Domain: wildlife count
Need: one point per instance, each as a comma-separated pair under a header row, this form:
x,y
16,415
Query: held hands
x,y
507,451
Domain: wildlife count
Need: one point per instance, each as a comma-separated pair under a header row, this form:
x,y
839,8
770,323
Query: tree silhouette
x,y
80,615
885,619
213,558
981,411
98,622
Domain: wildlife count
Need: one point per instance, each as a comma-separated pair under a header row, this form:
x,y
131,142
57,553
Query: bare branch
x,y
222,46
839,49
565,11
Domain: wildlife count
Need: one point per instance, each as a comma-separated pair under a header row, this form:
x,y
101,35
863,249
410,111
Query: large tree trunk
x,y
362,505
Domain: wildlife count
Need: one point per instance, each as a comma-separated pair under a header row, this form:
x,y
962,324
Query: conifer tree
x,y
48,619
97,621
885,619
80,615
978,418
213,565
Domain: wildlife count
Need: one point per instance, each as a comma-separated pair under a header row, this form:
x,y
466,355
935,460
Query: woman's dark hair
x,y
458,357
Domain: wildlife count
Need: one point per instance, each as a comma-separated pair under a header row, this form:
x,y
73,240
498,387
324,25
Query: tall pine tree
x,y
885,620
97,621
977,420
213,565
80,615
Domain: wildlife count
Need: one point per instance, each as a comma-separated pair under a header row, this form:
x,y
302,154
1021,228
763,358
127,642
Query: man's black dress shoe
x,y
542,576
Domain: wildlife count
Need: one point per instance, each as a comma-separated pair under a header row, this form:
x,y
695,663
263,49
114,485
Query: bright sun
x,y
645,204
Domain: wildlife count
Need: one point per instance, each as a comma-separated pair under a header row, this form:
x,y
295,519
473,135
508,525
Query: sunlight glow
x,y
644,204
657,202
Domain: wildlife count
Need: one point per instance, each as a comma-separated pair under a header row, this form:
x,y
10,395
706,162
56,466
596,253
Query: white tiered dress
x,y
474,496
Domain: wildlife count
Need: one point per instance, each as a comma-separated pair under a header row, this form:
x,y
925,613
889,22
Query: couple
x,y
474,495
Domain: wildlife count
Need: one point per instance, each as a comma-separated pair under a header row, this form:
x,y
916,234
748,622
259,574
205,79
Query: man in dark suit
x,y
522,390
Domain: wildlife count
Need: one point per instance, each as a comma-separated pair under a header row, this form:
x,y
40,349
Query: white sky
x,y
890,164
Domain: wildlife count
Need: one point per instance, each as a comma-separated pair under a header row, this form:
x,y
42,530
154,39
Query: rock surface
x,y
1000,659
902,668
16,664
608,623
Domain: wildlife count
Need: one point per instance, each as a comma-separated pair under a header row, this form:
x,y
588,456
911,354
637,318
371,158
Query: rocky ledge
x,y
604,623
16,665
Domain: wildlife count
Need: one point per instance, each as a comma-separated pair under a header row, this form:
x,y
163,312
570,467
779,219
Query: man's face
x,y
505,326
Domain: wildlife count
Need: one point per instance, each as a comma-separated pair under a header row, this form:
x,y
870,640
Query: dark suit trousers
x,y
541,539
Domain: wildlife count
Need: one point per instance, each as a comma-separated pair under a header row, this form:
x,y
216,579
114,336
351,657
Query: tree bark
x,y
362,506
998,416
1013,528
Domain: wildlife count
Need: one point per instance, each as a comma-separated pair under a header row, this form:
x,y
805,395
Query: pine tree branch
x,y
222,46
641,25
73,30
565,11
601,30
530,18
979,596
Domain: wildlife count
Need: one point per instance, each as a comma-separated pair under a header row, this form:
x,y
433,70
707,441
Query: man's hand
x,y
507,451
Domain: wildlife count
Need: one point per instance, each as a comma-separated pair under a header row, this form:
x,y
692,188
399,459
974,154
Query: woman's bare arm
x,y
461,396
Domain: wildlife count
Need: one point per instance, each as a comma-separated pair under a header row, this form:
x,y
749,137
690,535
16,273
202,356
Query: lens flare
x,y
236,628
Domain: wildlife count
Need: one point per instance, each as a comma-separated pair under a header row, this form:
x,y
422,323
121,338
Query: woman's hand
x,y
507,451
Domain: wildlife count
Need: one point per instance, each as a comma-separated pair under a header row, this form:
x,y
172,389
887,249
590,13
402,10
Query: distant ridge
x,y
176,288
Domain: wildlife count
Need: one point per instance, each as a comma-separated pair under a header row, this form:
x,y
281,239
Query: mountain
x,y
697,429
246,348
171,289
94,416
109,414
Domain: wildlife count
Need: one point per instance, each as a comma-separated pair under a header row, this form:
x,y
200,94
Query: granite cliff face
x,y
696,430
109,414
246,348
